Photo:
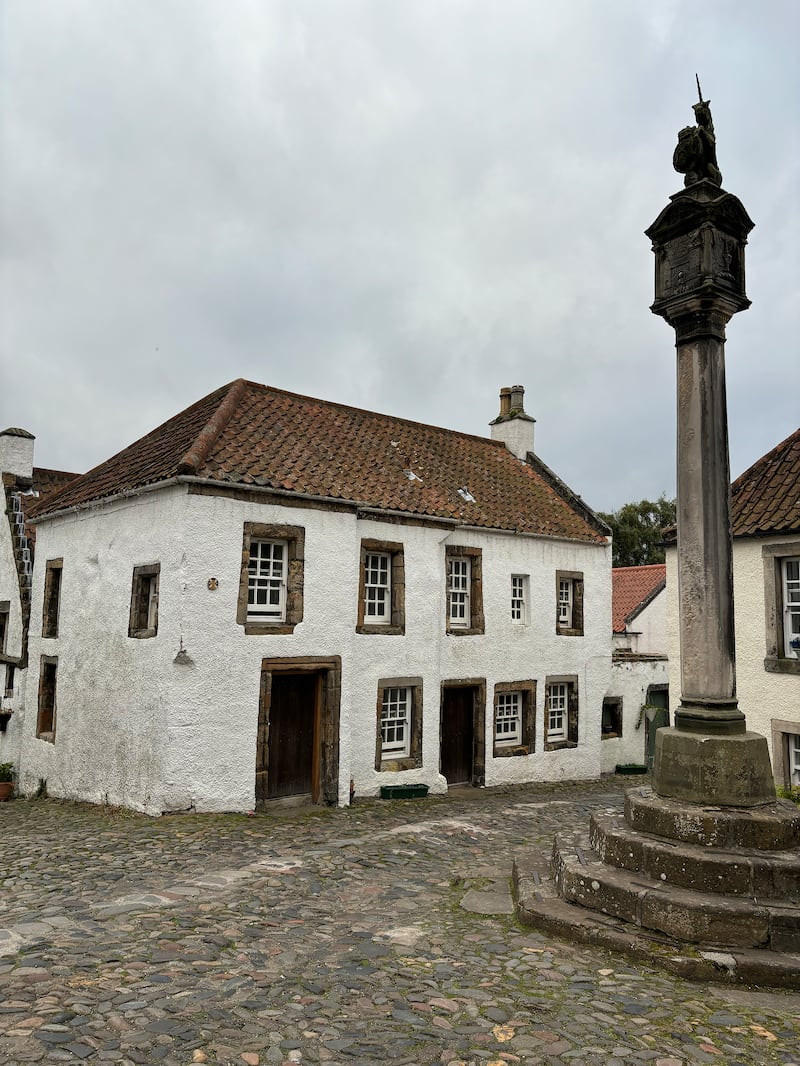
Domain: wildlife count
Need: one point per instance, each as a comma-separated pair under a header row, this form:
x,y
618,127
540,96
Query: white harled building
x,y
274,596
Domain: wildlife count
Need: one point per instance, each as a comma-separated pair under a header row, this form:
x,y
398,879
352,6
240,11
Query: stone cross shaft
x,y
698,241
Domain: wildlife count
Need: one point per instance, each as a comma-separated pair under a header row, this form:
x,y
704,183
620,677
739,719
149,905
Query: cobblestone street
x,y
383,933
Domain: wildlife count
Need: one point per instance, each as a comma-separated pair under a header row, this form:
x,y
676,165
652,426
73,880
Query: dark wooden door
x,y
458,735
292,736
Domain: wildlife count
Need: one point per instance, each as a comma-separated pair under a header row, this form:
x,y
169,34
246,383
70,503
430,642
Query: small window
x,y
143,619
569,603
464,591
266,581
611,723
9,688
458,582
52,597
794,758
561,713
399,734
5,607
396,723
519,598
271,579
381,597
514,732
790,572
46,719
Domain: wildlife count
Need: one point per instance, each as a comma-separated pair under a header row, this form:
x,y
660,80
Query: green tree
x,y
637,530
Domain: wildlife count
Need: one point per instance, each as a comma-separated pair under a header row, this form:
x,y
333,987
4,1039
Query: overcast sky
x,y
398,204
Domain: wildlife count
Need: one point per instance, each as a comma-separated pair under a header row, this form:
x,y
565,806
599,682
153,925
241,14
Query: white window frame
x,y
459,579
557,710
267,574
790,586
519,599
377,588
396,722
508,719
793,742
566,597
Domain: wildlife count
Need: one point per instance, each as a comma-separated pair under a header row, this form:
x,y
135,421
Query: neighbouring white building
x,y
638,697
272,596
765,517
23,487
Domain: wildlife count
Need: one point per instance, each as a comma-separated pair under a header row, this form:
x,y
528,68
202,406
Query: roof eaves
x,y
572,499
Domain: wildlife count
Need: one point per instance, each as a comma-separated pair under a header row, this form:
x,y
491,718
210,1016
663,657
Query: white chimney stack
x,y
512,426
16,453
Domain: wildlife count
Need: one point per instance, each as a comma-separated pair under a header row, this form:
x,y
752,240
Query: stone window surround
x,y
477,624
780,732
571,740
414,759
576,578
149,573
527,745
295,561
775,661
51,600
614,706
47,705
397,591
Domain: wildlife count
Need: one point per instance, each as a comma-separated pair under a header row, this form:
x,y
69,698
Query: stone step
x,y
760,875
539,905
689,915
770,827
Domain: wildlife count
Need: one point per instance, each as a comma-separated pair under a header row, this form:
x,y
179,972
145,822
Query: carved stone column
x,y
709,757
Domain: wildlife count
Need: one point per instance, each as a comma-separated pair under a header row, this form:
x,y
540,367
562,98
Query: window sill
x,y
393,766
264,629
142,634
48,738
503,752
568,632
49,636
782,666
610,736
559,745
467,631
377,630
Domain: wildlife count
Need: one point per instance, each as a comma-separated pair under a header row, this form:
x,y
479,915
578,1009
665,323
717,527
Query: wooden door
x,y
458,735
290,758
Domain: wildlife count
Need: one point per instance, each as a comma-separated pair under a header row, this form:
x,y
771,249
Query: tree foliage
x,y
637,530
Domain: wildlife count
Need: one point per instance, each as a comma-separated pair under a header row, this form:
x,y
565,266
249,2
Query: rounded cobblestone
x,y
377,934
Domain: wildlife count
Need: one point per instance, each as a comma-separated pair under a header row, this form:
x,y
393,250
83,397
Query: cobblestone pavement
x,y
383,933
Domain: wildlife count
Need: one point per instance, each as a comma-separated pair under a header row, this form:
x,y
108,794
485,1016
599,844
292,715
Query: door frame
x,y
478,685
325,756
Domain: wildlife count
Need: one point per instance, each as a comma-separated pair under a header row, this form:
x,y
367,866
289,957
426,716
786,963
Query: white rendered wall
x,y
651,626
763,696
630,680
16,455
9,590
137,729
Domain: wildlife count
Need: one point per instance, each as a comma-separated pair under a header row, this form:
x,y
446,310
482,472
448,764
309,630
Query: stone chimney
x,y
16,453
512,426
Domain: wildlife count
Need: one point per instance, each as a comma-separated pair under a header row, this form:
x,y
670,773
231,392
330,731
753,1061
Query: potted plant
x,y
6,780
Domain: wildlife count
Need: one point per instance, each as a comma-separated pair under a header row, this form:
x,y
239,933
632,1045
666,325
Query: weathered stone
x,y
724,771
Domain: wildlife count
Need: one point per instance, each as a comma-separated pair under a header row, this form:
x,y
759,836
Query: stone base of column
x,y
713,771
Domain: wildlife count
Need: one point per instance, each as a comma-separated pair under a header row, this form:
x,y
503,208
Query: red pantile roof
x,y
256,435
766,498
633,587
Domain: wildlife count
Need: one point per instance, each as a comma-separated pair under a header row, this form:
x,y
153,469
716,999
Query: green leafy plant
x,y
6,771
792,793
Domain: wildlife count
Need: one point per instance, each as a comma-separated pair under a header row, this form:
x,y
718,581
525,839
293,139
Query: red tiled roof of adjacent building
x,y
766,498
246,434
633,587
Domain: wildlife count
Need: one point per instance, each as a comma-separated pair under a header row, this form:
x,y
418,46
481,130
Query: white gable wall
x,y
138,729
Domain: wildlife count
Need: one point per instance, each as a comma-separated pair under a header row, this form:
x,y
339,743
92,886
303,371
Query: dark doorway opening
x,y
462,743
297,750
